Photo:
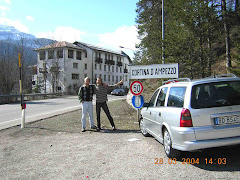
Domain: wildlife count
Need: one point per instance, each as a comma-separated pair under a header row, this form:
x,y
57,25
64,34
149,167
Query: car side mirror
x,y
146,105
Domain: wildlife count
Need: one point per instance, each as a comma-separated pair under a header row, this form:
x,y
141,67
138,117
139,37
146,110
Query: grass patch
x,y
124,116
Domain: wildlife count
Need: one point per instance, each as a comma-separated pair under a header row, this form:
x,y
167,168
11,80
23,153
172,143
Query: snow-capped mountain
x,y
9,32
11,39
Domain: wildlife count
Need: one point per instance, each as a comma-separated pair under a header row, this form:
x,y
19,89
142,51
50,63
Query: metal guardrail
x,y
14,98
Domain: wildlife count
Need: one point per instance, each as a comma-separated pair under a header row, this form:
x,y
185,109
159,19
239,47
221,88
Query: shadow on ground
x,y
214,159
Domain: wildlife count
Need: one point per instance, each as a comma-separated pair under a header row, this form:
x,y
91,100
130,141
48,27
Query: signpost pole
x,y
21,96
138,115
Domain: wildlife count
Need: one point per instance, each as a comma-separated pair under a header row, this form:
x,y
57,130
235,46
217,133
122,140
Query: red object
x,y
136,88
186,118
24,106
173,81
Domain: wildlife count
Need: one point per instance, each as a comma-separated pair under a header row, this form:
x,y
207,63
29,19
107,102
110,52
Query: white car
x,y
187,115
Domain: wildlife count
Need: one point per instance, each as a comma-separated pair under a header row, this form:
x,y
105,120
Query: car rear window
x,y
217,94
176,96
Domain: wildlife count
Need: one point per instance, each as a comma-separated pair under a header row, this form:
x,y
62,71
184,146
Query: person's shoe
x,y
98,129
114,128
83,129
94,127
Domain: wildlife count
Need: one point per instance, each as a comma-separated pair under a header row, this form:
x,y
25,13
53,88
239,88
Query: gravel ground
x,y
54,148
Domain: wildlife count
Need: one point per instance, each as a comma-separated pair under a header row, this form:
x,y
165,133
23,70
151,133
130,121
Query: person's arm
x,y
80,94
120,82
94,88
115,85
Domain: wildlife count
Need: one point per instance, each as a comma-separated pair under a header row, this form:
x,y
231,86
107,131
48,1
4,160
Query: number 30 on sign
x,y
136,88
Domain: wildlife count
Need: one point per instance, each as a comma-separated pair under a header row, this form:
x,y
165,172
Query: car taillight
x,y
186,118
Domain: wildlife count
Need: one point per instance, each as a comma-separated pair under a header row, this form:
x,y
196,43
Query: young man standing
x,y
101,101
85,95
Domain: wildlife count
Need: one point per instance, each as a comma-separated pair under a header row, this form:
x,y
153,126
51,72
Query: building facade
x,y
62,67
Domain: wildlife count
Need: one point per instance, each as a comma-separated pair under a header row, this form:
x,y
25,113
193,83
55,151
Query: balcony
x,y
125,70
119,63
109,62
112,62
98,60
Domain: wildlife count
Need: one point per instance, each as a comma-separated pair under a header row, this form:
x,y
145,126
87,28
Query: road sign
x,y
137,101
154,71
136,88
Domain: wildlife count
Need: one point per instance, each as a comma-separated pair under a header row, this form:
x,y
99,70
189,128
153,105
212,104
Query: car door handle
x,y
159,114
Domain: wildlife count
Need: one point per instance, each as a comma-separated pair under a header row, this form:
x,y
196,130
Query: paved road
x,y
10,114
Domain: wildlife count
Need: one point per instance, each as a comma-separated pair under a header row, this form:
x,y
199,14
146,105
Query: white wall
x,y
66,69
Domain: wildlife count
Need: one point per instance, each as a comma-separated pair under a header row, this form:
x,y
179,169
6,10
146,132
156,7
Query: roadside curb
x,y
38,117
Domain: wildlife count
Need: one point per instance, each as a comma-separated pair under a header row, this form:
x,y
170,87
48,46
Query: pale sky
x,y
106,23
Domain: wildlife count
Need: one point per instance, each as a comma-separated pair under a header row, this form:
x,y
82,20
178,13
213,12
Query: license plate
x,y
227,120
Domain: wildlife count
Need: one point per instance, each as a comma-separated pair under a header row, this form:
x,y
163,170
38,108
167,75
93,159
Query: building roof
x,y
81,44
59,45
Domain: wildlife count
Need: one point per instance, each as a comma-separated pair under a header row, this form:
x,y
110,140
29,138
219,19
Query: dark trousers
x,y
106,110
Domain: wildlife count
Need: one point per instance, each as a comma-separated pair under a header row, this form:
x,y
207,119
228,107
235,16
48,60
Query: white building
x,y
62,67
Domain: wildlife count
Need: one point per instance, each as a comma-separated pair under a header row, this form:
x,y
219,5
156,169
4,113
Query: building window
x,y
85,75
120,70
109,68
111,57
59,88
116,78
75,76
100,67
75,65
105,56
100,76
112,78
95,77
112,68
50,54
105,68
105,78
60,53
120,78
86,54
42,55
79,55
116,69
70,54
108,77
95,66
85,66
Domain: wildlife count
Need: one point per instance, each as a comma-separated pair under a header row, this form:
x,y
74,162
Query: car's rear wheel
x,y
143,128
167,143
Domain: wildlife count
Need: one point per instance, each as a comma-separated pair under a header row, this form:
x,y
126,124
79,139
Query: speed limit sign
x,y
136,88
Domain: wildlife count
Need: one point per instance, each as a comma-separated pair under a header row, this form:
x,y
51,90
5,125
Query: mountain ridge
x,y
9,32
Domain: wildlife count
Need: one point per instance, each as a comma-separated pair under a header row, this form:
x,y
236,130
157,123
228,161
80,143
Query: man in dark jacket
x,y
85,95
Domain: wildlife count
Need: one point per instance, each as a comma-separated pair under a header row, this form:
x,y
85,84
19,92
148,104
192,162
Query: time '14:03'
x,y
216,161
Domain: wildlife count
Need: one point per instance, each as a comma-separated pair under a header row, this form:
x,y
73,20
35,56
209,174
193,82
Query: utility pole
x,y
163,35
23,105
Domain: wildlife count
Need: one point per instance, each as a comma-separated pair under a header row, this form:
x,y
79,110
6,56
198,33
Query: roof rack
x,y
177,80
221,76
225,75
